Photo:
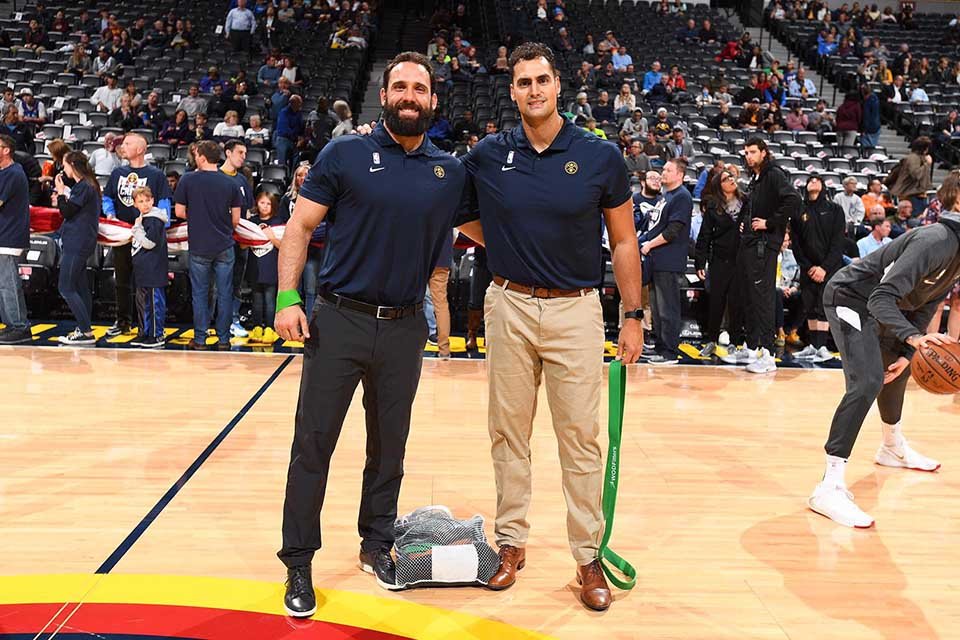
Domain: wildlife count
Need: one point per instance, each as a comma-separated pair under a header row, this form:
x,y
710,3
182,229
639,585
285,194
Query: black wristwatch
x,y
636,314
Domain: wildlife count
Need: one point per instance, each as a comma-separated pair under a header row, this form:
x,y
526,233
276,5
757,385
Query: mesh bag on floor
x,y
435,549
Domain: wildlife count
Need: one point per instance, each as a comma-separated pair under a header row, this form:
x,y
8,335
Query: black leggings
x,y
724,285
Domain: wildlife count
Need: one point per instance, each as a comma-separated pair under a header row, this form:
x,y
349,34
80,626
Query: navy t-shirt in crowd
x,y
78,235
208,196
541,212
123,181
150,266
14,208
390,211
262,269
246,192
677,206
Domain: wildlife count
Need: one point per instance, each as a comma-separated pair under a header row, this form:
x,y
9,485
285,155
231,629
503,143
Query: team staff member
x,y
879,309
118,203
771,204
211,202
539,189
235,155
818,241
665,247
389,200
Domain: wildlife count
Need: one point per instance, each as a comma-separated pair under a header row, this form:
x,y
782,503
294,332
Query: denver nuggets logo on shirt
x,y
571,167
439,172
127,186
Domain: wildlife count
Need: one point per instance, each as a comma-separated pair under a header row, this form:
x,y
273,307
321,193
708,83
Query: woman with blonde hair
x,y
229,128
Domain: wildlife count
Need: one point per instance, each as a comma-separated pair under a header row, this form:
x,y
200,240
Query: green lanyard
x,y
618,390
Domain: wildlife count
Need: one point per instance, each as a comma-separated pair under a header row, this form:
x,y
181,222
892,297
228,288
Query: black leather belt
x,y
378,312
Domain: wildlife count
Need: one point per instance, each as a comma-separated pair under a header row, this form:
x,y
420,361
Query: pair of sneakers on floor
x,y
262,335
756,360
832,498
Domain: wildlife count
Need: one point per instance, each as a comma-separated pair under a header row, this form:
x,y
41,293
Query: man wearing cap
x,y
679,147
851,203
818,242
107,97
32,111
389,200
662,126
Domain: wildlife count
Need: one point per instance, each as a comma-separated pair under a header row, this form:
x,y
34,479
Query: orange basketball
x,y
936,368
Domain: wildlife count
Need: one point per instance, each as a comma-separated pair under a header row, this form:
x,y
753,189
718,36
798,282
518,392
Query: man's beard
x,y
405,126
650,192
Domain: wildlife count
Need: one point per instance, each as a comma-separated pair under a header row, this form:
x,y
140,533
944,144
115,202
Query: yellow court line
x,y
387,615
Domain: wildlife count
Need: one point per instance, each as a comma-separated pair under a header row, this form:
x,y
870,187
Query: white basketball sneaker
x,y
836,502
904,457
807,353
764,363
822,355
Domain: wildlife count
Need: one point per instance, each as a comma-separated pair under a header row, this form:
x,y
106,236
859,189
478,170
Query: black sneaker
x,y
379,562
660,360
118,328
78,339
432,339
300,600
11,335
147,342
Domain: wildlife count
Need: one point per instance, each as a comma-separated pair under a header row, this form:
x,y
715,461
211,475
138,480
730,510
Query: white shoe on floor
x,y
904,457
836,502
237,330
822,355
742,355
807,353
724,340
764,363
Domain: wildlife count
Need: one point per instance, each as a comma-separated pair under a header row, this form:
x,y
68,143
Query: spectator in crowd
x,y
177,131
707,174
645,201
818,239
802,86
57,149
199,130
219,104
849,117
152,115
820,120
591,126
625,102
212,79
105,159
14,239
879,235
751,117
210,201
725,118
35,37
32,111
870,121
19,131
665,249
289,130
773,118
775,93
104,65
229,128
634,127
263,270
637,163
131,92
280,98
107,97
79,62
900,223
621,59
716,256
688,32
149,253
788,302
291,71
652,77
256,134
875,195
912,179
679,146
80,207
124,116
118,203
656,153
603,110
662,126
708,34
851,203
239,28
193,103
917,93
580,108
345,117
268,75
796,120
235,155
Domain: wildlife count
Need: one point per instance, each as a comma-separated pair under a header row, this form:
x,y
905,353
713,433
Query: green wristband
x,y
288,298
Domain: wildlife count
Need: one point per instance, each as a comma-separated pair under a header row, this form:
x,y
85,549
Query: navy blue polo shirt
x,y
542,212
123,181
389,213
14,208
78,235
208,196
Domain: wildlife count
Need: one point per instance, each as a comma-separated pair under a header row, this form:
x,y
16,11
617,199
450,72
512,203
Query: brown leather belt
x,y
540,292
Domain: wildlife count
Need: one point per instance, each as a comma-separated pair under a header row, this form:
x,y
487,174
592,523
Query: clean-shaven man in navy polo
x,y
543,191
389,200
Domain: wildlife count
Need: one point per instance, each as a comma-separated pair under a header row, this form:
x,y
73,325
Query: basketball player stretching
x,y
878,309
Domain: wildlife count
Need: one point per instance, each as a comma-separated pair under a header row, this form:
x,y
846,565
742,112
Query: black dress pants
x,y
346,348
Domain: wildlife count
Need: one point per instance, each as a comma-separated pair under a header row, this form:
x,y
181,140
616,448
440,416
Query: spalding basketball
x,y
936,368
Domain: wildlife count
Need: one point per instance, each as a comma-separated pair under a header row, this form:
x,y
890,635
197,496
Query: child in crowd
x,y
149,269
262,270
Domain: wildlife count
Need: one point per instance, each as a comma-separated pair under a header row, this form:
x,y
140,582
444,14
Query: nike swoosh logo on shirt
x,y
375,169
507,168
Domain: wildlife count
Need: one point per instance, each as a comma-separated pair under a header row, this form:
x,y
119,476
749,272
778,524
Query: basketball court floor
x,y
141,495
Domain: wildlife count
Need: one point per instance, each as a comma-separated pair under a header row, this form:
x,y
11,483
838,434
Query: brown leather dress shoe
x,y
512,559
594,592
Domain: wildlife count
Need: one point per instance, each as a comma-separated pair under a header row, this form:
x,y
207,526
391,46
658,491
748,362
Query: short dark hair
x,y
409,56
232,144
532,51
681,163
8,142
920,145
209,150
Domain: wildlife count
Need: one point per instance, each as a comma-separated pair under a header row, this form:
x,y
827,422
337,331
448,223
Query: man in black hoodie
x,y
772,203
879,309
818,243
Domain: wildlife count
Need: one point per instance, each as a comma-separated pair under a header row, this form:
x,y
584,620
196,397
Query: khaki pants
x,y
561,340
438,293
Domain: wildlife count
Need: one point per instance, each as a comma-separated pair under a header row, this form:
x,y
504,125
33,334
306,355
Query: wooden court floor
x,y
716,465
